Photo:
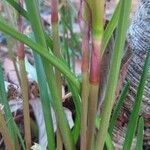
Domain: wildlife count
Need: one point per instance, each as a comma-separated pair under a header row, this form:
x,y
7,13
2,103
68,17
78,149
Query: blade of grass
x,y
110,27
65,39
137,105
25,14
118,106
17,7
33,10
108,142
44,53
26,114
24,85
139,144
45,100
7,111
72,39
77,103
4,101
10,41
19,136
5,133
114,73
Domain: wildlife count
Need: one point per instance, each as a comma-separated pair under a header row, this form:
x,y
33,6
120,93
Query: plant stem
x,y
60,115
97,13
113,74
26,114
85,87
24,86
56,50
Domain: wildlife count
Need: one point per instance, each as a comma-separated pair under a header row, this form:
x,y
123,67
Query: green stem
x,y
24,85
61,118
56,50
85,88
97,13
113,74
26,114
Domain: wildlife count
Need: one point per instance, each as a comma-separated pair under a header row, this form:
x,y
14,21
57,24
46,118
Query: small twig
x,y
68,95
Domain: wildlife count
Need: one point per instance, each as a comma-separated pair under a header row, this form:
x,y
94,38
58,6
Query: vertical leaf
x,y
137,105
139,144
114,72
118,106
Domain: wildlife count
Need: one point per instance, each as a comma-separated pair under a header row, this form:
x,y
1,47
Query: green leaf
x,y
12,127
24,13
124,11
140,133
77,103
110,27
60,65
37,27
137,106
45,101
108,142
118,106
4,101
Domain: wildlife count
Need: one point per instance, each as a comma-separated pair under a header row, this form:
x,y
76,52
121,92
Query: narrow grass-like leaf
x,y
65,41
114,73
118,106
108,142
25,97
19,136
12,127
60,65
25,14
4,101
137,105
5,133
17,7
45,100
140,133
110,27
63,125
77,103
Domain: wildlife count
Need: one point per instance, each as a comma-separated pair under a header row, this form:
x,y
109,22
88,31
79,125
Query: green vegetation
x,y
55,61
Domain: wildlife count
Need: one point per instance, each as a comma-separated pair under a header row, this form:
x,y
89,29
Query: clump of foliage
x,y
52,62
